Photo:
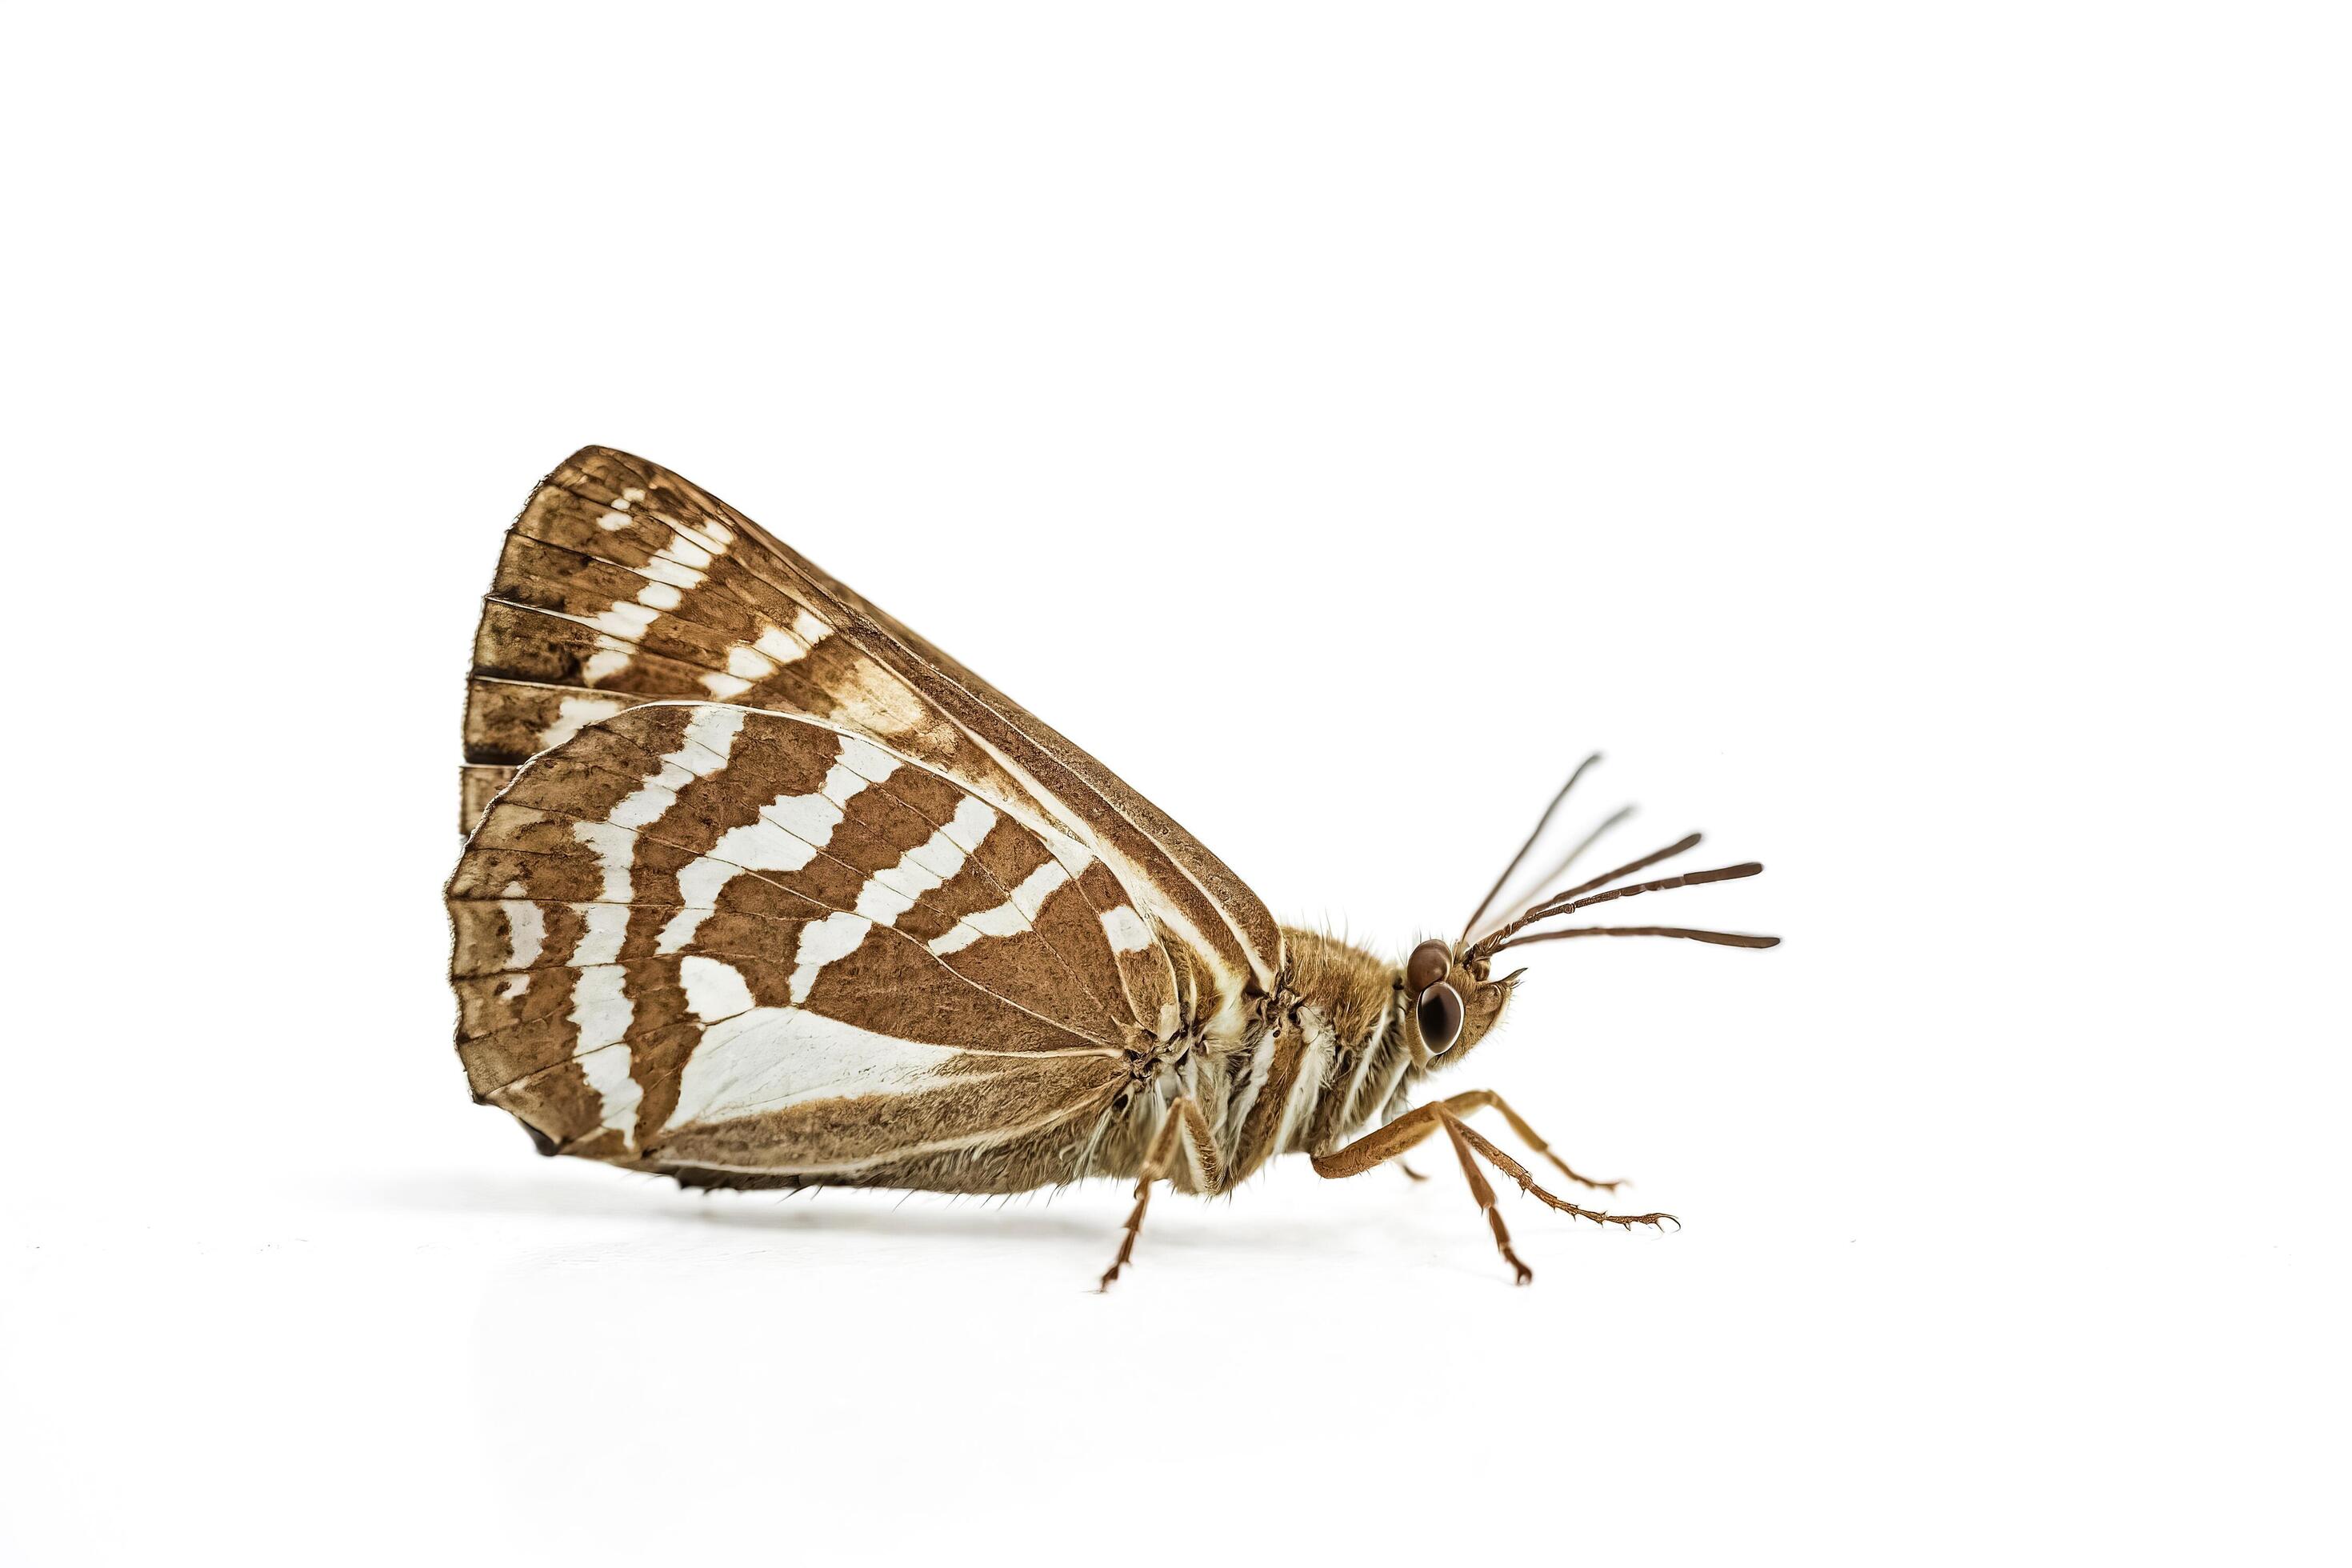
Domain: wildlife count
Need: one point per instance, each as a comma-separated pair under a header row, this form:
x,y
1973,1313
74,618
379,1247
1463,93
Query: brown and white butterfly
x,y
763,891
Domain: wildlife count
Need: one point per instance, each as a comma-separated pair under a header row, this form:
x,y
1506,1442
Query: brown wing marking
x,y
630,991
791,782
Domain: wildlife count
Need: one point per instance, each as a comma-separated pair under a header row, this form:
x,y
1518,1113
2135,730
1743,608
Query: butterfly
x,y
762,889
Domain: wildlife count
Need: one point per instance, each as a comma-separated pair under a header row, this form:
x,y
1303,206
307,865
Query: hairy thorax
x,y
1323,1057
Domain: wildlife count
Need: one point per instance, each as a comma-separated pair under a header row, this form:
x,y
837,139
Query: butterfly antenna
x,y
1558,902
1541,823
1559,867
1687,880
1720,873
1719,938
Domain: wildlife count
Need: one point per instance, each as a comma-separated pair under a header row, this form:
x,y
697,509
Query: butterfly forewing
x,y
622,583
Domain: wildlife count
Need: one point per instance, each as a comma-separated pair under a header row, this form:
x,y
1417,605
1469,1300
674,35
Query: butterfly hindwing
x,y
701,938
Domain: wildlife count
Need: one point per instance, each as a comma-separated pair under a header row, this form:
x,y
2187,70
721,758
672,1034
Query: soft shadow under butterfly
x,y
764,890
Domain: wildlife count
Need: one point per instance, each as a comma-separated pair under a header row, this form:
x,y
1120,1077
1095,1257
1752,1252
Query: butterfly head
x,y
1455,999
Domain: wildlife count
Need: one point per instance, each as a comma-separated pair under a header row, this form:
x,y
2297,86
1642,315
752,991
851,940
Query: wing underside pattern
x,y
700,937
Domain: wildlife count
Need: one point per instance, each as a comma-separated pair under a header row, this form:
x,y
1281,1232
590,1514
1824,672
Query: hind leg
x,y
1183,1123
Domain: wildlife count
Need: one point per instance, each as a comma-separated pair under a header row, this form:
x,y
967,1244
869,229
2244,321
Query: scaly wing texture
x,y
751,946
622,583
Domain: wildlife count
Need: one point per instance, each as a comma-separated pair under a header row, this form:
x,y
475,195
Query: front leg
x,y
1410,1129
1184,1121
1476,1099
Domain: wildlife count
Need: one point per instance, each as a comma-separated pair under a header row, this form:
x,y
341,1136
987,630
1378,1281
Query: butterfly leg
x,y
1476,1099
1378,1147
1183,1121
1406,1130
1518,1173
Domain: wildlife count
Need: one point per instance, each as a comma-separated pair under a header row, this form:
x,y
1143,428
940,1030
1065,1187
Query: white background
x,y
1910,441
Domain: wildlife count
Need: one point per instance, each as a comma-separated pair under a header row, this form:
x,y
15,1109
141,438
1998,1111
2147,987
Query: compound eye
x,y
1439,1014
1427,966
